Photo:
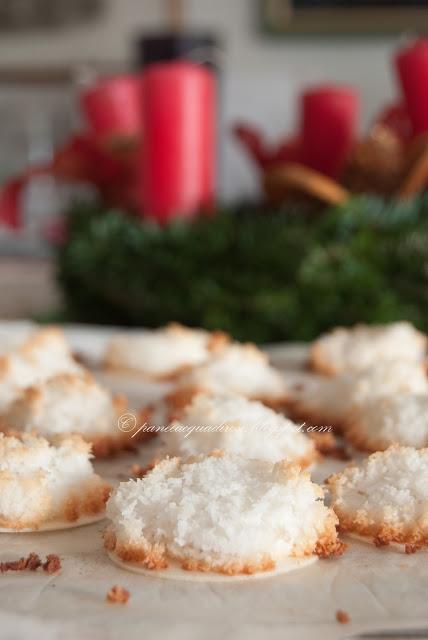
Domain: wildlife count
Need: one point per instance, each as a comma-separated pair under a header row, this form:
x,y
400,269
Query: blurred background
x,y
334,86
262,71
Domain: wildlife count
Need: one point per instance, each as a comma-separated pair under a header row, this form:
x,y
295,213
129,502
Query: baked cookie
x,y
322,400
239,368
46,485
220,513
239,426
164,353
385,497
399,419
44,354
355,348
13,333
71,403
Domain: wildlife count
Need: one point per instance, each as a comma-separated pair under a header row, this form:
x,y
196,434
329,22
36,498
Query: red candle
x,y
178,156
329,116
412,67
113,106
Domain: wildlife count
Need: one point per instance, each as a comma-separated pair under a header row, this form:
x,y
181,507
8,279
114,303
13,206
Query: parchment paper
x,y
378,588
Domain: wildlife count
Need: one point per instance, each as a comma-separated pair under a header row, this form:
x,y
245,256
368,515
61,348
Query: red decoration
x,y
105,157
10,197
329,117
112,106
327,134
173,174
396,118
263,155
253,141
289,150
108,166
178,159
412,67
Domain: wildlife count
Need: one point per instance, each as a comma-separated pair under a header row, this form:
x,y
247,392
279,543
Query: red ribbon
x,y
107,164
105,156
264,156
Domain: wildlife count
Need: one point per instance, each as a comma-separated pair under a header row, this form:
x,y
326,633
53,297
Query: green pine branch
x,y
262,275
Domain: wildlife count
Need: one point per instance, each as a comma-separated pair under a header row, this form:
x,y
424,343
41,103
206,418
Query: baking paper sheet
x,y
378,588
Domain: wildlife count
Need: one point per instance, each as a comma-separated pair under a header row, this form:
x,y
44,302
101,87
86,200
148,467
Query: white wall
x,y
261,79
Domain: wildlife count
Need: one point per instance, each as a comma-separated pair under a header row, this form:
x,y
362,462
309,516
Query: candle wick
x,y
175,15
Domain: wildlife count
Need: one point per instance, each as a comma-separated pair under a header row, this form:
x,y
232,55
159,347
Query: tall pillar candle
x,y
412,67
178,156
329,118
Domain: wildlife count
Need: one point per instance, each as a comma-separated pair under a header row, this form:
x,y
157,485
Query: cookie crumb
x,y
52,564
31,563
412,548
379,541
118,594
342,617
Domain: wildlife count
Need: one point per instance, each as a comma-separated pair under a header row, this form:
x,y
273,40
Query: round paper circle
x,y
175,572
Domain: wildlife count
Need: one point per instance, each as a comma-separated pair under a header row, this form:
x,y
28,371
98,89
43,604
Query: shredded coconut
x,y
389,487
221,509
332,399
401,419
37,479
43,355
361,346
64,404
237,425
241,369
161,352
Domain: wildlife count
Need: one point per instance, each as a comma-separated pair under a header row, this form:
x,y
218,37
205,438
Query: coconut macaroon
x,y
44,354
164,353
240,426
239,368
71,403
331,400
220,513
385,497
361,346
400,419
44,485
13,333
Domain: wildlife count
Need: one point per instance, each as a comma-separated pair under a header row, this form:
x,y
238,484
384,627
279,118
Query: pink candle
x,y
112,106
178,156
412,67
329,117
